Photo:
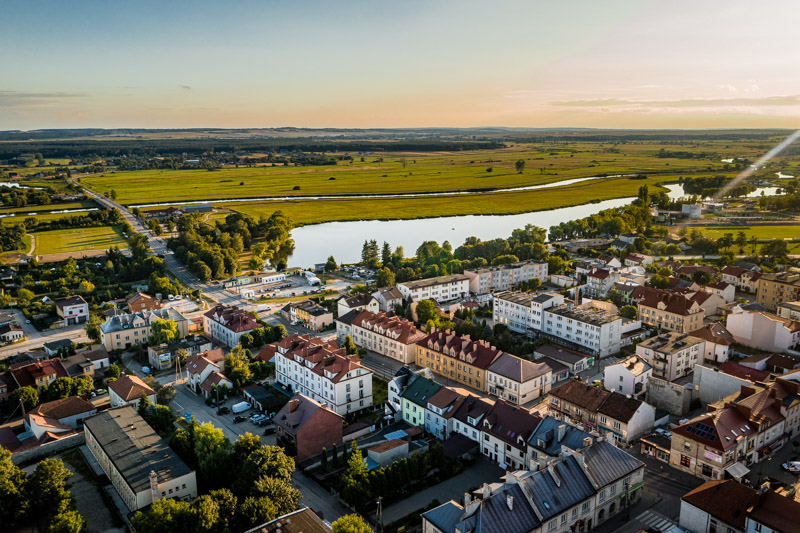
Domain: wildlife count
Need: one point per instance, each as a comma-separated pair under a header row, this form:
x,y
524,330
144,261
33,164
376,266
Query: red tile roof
x,y
479,354
744,372
233,318
715,333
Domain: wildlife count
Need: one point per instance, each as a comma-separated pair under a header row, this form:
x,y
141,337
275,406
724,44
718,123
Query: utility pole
x,y
380,514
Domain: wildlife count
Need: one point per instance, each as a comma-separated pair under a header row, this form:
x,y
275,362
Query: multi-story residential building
x,y
140,465
774,289
516,380
589,327
789,310
441,289
440,412
634,259
667,310
388,298
505,431
226,324
356,302
389,336
163,355
763,331
503,277
469,416
523,312
672,355
414,400
629,376
573,494
305,427
142,302
37,374
323,371
599,282
310,314
206,368
74,310
121,332
550,436
743,279
723,289
717,339
727,506
458,358
608,413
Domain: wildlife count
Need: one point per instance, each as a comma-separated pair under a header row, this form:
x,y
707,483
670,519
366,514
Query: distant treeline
x,y
194,147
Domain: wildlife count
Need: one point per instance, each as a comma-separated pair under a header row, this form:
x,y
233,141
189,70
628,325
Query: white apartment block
x,y
763,331
441,289
671,354
596,330
504,277
522,311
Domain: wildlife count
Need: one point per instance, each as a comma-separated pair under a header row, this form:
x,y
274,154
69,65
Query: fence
x,y
49,449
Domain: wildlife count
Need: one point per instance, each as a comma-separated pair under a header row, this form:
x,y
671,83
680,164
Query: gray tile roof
x,y
605,463
517,369
123,322
420,390
445,517
554,498
547,432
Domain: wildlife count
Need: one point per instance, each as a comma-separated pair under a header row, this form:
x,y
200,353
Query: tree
x,y
166,515
85,287
331,265
13,503
385,278
236,367
628,311
280,492
47,487
67,519
775,250
351,523
93,328
113,194
58,389
348,345
24,297
165,395
426,310
162,332
144,405
112,371
266,461
81,385
386,253
520,165
246,340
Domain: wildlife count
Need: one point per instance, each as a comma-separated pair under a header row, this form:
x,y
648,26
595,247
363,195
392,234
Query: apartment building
x,y
124,331
599,282
469,416
388,336
743,279
504,277
441,288
505,431
140,465
670,311
226,324
718,341
763,331
388,298
523,312
356,302
458,358
672,355
630,376
323,372
789,310
310,314
586,326
440,412
774,289
516,380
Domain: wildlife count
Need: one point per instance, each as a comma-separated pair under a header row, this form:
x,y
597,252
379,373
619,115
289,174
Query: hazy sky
x,y
375,63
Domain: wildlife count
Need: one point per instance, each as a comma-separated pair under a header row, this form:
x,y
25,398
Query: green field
x,y
759,232
78,239
13,215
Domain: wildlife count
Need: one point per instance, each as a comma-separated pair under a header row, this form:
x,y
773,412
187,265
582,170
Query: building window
x,y
685,461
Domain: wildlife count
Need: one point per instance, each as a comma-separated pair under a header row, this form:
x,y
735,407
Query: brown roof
x,y
776,511
476,353
130,387
581,394
299,410
719,430
139,296
63,408
715,333
400,330
323,355
386,446
28,372
726,500
677,304
743,372
448,400
734,271
215,355
619,407
510,423
72,300
196,364
96,353
214,378
232,318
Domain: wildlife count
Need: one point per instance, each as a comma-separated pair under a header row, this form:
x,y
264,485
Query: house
x,y
774,363
667,310
560,371
312,315
634,259
121,332
11,333
441,289
745,280
504,277
139,464
521,311
305,426
213,383
456,357
414,400
163,355
718,341
469,416
548,438
37,374
629,376
7,386
78,365
599,282
608,413
357,302
586,326
58,347
671,354
731,507
517,380
59,416
200,367
506,429
142,302
128,389
388,298
440,410
303,520
775,289
723,289
73,310
763,331
389,336
227,323
575,361
322,371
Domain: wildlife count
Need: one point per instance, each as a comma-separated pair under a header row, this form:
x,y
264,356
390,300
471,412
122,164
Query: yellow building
x,y
774,289
458,358
670,311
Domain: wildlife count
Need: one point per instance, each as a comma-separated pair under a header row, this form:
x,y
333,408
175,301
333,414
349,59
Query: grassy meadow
x,y
78,239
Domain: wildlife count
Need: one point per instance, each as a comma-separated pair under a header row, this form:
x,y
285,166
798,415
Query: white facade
x,y
521,311
441,289
598,331
387,336
502,278
763,331
627,377
672,355
343,307
75,312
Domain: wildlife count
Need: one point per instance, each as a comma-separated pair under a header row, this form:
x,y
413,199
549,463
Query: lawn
x,y
78,239
759,232
26,246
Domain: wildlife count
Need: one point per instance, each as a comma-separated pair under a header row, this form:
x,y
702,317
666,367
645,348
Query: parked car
x,y
238,419
223,410
792,467
269,430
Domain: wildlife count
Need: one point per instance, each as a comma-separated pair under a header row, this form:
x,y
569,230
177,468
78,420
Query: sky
x,y
407,63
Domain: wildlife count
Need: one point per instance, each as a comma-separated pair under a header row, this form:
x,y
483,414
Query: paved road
x,y
35,338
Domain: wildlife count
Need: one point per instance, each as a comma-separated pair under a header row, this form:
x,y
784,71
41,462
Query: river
x,y
343,240
676,191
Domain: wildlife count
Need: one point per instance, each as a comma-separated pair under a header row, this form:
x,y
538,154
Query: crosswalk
x,y
656,520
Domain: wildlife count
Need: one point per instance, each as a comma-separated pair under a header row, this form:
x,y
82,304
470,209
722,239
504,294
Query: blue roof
x,y
445,517
396,435
494,515
371,464
547,431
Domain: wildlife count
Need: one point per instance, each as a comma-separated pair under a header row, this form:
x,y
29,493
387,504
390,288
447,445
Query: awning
x,y
737,470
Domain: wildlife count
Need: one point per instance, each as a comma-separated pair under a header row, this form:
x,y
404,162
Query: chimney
x,y
562,428
510,502
763,488
293,404
587,442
